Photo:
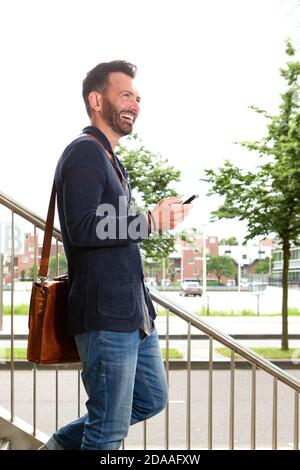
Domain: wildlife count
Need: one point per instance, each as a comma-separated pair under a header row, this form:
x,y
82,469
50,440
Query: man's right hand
x,y
169,212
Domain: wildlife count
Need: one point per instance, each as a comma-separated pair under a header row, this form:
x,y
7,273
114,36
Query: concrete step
x,y
4,444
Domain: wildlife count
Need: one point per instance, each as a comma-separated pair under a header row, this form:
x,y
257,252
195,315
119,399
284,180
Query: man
x,y
111,314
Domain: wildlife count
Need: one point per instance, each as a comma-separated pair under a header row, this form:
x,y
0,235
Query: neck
x,y
112,137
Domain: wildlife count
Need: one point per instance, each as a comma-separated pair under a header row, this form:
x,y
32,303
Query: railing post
x,y
34,365
253,408
210,392
231,409
12,359
145,434
78,393
188,401
296,422
274,419
167,368
56,398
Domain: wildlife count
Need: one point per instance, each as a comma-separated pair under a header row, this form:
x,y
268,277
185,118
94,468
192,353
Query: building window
x,y
191,261
25,259
31,247
227,252
195,271
244,256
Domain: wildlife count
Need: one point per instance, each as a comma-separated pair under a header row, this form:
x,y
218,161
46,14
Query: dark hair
x,y
97,78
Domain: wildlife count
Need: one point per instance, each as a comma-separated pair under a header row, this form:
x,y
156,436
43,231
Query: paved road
x,y
67,387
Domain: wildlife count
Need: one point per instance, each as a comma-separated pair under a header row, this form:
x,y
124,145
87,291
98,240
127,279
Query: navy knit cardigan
x,y
105,275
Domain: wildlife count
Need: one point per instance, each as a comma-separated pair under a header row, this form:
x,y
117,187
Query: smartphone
x,y
190,199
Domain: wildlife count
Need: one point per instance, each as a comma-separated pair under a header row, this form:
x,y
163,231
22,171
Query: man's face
x,y
120,103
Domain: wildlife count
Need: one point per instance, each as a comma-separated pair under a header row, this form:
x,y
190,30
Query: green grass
x,y
21,353
226,313
173,353
20,309
268,353
163,313
23,309
243,313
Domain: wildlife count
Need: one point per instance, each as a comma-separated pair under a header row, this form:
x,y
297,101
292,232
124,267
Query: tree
x,y
262,267
222,266
33,270
151,179
62,265
268,199
232,241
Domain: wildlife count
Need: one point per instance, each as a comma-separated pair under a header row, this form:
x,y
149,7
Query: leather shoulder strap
x,y
48,235
119,174
50,221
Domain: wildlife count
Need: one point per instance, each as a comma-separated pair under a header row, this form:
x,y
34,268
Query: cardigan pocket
x,y
116,301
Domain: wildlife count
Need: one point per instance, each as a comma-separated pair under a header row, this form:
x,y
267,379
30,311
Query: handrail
x,y
225,339
27,214
214,333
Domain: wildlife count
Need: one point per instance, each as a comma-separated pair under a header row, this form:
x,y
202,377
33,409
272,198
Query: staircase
x,y
4,444
17,434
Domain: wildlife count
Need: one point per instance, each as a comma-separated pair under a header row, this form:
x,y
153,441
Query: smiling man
x,y
111,313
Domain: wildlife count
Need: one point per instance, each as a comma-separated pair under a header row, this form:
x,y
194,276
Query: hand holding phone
x,y
190,199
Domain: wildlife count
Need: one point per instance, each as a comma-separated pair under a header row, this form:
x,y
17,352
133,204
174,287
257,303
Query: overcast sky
x,y
201,63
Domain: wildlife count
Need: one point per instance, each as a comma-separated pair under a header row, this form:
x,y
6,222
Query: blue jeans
x,y
124,378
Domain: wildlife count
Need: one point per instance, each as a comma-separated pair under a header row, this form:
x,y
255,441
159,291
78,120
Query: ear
x,y
95,101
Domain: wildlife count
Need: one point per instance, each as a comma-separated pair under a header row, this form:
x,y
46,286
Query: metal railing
x,y
256,363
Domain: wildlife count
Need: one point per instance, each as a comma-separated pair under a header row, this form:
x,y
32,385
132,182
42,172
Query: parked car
x,y
190,288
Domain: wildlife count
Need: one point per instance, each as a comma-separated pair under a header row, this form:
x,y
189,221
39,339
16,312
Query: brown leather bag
x,y
48,340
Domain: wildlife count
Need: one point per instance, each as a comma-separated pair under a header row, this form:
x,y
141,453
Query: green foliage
x,y
52,269
222,266
34,269
151,176
232,241
268,199
62,265
262,267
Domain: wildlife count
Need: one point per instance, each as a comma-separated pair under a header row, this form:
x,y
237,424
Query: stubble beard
x,y
112,117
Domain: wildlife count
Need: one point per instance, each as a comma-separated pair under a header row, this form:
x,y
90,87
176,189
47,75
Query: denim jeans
x,y
124,378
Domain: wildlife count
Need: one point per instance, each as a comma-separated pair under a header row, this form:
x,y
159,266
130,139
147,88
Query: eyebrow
x,y
138,98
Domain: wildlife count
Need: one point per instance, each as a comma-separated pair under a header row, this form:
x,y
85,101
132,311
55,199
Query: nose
x,y
135,106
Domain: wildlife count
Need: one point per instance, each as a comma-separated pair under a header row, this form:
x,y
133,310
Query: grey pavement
x,y
67,408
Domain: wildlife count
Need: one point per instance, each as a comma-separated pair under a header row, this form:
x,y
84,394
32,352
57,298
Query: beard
x,y
113,118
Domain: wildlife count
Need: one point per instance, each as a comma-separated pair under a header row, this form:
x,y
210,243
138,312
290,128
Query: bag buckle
x,y
43,279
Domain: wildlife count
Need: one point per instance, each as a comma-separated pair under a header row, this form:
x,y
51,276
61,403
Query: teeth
x,y
128,116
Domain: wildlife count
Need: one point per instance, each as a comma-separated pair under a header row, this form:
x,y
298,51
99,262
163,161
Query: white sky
x,y
200,64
